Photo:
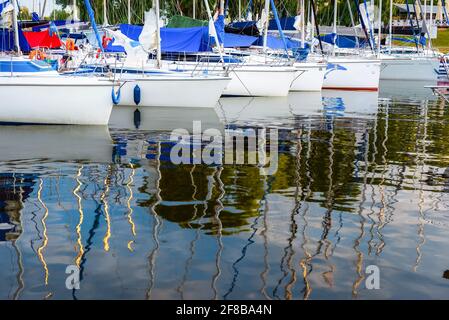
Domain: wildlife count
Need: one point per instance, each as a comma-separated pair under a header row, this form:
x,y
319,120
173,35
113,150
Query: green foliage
x,y
118,9
24,13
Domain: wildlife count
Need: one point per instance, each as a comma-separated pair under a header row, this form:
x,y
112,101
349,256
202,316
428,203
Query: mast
x,y
425,10
312,23
16,28
334,30
105,16
75,10
390,26
240,10
129,11
43,9
303,24
211,24
194,9
315,22
158,36
379,26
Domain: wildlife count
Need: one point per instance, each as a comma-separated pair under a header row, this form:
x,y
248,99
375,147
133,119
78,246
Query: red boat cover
x,y
42,39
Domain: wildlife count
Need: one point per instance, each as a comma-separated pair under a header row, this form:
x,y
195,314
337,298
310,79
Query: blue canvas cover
x,y
343,41
220,27
7,41
242,24
286,24
274,42
194,39
113,48
56,23
232,40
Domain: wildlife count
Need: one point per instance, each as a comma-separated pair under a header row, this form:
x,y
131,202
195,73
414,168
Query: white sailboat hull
x,y
352,74
173,91
308,77
414,69
255,81
246,80
55,100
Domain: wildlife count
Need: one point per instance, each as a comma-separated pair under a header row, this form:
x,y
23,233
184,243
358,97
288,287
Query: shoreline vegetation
x,y
117,13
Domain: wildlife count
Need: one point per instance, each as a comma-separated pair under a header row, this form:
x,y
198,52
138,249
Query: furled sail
x,y
148,37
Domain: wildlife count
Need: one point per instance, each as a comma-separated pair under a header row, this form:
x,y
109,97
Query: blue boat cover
x,y
232,40
243,24
274,42
35,16
344,41
57,23
194,39
7,41
220,27
286,24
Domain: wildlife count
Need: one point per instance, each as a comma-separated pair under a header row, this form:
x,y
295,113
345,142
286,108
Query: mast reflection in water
x,y
362,180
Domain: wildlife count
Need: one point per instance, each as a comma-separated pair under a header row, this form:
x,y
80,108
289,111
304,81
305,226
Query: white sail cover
x,y
297,24
148,37
262,21
6,14
135,53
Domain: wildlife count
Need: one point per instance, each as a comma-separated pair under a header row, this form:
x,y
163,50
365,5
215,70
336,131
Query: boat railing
x,y
206,66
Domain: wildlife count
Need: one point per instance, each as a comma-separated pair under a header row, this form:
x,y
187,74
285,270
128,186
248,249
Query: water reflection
x,y
362,179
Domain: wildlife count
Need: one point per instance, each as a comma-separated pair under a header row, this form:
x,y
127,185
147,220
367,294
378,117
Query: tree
x,y
24,13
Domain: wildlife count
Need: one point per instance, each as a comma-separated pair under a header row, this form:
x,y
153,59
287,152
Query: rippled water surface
x,y
362,179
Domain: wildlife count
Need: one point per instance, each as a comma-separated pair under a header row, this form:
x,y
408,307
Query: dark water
x,y
362,180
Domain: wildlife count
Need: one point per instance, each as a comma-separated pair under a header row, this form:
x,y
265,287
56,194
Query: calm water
x,y
362,179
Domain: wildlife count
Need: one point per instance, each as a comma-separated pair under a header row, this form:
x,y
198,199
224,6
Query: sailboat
x,y
408,63
310,73
33,93
351,72
249,77
149,85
